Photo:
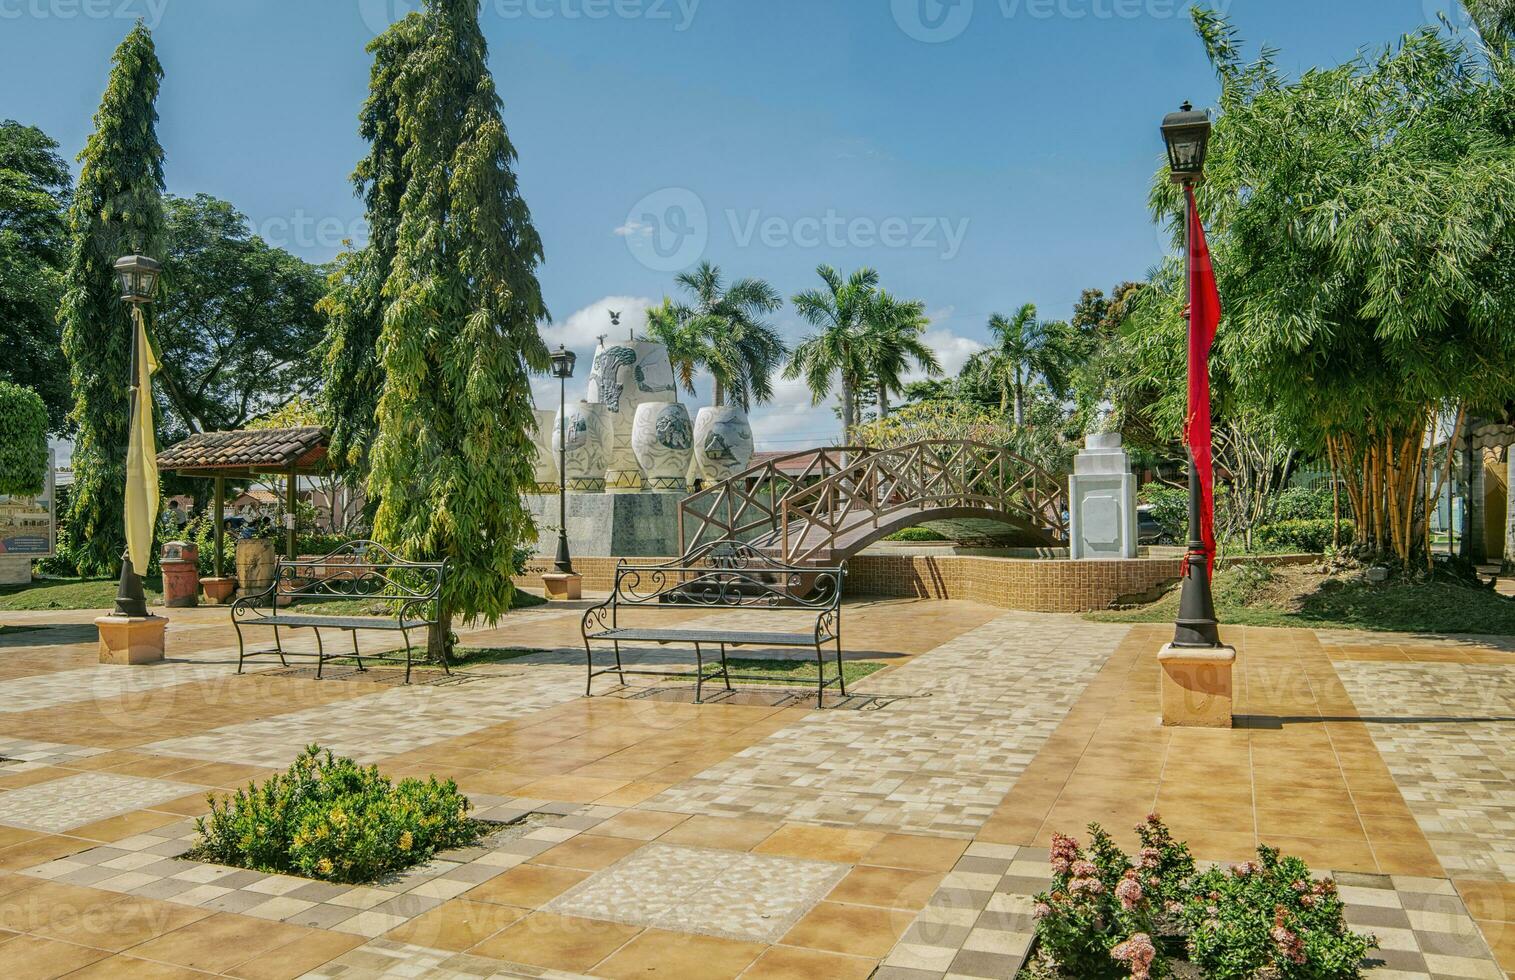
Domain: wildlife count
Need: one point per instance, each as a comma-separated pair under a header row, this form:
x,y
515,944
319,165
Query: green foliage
x,y
236,324
1313,534
331,819
1024,349
116,210
34,193
1271,914
354,303
723,333
23,441
1108,916
459,336
1303,504
1170,506
916,534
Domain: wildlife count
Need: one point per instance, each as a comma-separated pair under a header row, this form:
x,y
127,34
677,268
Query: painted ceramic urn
x,y
545,470
722,442
588,439
663,440
625,375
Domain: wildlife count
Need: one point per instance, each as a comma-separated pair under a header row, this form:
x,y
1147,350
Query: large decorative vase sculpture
x,y
663,439
545,472
625,375
588,440
722,442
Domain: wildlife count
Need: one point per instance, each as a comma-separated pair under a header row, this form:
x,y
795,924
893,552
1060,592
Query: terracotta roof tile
x,y
273,449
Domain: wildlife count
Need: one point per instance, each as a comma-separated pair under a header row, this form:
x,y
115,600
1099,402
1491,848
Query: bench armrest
x,y
599,617
242,605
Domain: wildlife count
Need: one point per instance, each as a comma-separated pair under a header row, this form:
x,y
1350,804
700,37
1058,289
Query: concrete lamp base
x,y
129,640
563,586
1196,686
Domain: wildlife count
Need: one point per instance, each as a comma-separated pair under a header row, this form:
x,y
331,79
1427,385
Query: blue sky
x,y
980,153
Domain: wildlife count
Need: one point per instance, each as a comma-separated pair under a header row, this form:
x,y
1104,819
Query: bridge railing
x,y
930,474
747,505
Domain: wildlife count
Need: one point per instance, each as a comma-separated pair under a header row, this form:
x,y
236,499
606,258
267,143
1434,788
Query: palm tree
x,y
723,333
1024,349
838,351
892,340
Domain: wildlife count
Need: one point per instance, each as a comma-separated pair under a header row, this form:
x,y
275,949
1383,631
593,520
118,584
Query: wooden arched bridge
x,y
826,505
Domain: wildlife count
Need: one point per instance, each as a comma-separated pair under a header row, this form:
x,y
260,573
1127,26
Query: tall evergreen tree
x,y
459,336
117,210
354,304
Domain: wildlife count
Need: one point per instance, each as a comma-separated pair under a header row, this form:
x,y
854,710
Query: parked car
x,y
1149,530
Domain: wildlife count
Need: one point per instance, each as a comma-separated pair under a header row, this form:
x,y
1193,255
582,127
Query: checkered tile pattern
x,y
979,923
152,866
73,801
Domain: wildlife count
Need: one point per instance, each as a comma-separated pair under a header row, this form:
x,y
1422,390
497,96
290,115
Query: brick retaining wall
x,y
1010,583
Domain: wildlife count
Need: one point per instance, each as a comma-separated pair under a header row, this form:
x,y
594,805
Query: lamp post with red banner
x,y
1187,135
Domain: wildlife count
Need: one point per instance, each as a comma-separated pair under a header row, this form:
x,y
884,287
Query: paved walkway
x,y
897,834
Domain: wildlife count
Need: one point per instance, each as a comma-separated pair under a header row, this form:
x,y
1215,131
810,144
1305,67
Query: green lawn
x,y
72,593
1299,598
797,672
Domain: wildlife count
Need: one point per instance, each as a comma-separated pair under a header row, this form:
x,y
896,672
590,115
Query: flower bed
x,y
1107,916
330,819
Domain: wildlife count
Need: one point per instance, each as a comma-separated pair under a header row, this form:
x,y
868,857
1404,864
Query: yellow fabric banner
x,y
142,457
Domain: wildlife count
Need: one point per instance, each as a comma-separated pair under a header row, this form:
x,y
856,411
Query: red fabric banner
x,y
1204,318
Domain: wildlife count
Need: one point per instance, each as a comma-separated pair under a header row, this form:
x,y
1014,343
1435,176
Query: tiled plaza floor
x,y
898,834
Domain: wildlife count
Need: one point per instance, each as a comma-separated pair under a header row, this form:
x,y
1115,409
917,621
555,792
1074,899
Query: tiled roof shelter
x,y
249,453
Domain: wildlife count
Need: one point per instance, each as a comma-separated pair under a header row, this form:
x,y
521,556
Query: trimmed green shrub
x,y
1304,504
331,819
1170,507
1302,535
23,441
915,534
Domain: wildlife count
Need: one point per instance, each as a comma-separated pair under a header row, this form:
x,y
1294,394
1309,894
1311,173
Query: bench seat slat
x,y
729,637
335,622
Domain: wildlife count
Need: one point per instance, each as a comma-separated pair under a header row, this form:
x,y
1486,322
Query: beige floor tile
x,y
896,888
657,952
727,833
587,852
852,929
793,963
557,942
527,886
457,925
820,843
35,958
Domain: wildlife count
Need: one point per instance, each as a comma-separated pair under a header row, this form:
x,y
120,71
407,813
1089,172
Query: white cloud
x,y
632,228
581,330
952,350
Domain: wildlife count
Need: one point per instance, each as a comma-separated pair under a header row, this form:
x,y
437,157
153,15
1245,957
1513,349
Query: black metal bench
x,y
359,570
721,575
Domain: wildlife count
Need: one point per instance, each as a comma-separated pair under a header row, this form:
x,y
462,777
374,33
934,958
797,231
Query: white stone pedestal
x,y
1102,501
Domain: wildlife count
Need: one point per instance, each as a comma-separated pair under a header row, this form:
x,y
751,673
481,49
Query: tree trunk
x,y
439,636
719,394
883,402
847,409
1020,408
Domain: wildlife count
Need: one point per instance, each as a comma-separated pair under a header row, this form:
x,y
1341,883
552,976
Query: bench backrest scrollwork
x,y
359,570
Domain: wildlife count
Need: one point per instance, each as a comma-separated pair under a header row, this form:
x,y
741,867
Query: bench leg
x,y
820,676
355,653
241,649
589,667
699,675
320,650
619,670
406,634
841,675
279,645
725,674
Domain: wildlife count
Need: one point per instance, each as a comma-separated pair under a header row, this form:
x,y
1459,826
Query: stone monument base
x,y
620,525
15,570
1196,686
130,640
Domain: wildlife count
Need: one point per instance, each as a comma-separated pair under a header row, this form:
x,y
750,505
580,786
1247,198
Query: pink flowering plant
x,y
1109,916
1270,918
1103,910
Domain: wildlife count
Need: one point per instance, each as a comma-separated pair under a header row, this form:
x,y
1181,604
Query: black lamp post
x,y
138,276
1187,135
562,369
